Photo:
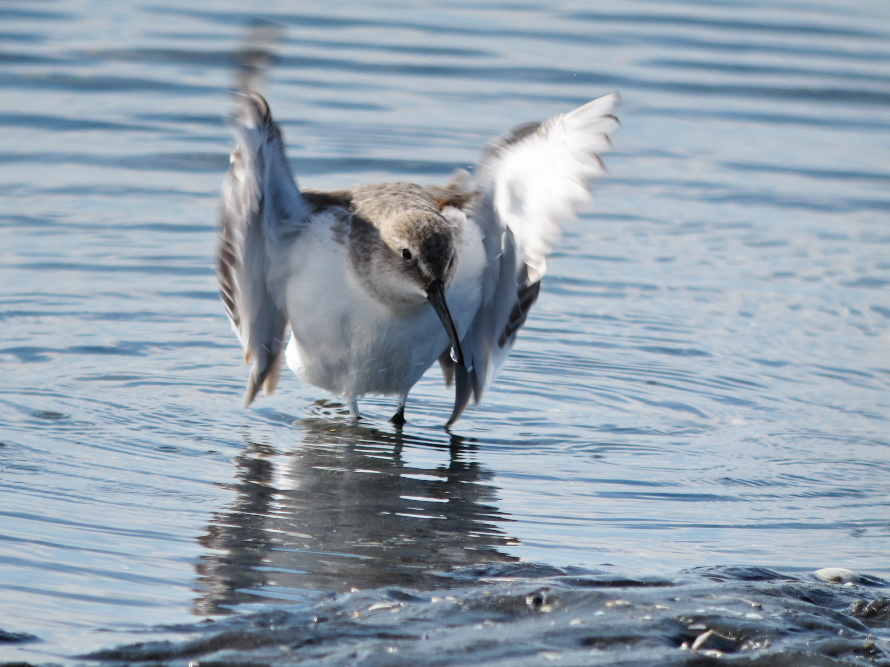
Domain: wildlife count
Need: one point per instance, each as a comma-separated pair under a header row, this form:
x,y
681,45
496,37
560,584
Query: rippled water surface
x,y
703,383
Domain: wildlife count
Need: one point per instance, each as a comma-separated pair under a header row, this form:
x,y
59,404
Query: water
x,y
702,386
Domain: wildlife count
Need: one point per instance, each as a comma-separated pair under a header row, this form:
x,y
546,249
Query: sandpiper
x,y
371,285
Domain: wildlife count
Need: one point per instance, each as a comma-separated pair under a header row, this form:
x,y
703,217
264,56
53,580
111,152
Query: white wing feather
x,y
531,180
261,207
543,180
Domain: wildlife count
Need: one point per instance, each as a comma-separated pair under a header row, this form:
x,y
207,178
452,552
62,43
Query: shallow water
x,y
703,382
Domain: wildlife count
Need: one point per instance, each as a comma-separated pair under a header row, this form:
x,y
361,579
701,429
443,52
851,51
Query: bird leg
x,y
399,417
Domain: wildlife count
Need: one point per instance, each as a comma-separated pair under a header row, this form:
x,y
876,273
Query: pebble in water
x,y
837,575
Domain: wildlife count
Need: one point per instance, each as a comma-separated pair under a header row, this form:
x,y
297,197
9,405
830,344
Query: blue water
x,y
703,382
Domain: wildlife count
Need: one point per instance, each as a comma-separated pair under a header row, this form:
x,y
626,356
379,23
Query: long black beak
x,y
436,296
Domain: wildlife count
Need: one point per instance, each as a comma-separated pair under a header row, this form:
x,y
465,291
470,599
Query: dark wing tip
x,y
462,393
447,364
467,386
226,262
256,56
520,132
253,388
265,373
498,146
526,296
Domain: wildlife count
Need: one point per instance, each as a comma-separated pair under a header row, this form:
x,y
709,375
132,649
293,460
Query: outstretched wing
x,y
262,209
531,180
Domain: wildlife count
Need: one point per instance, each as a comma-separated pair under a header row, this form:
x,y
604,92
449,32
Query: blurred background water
x,y
703,382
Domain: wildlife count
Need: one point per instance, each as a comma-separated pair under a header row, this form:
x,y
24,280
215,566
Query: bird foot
x,y
399,418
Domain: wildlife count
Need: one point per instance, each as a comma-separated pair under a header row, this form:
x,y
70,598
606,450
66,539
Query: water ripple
x,y
702,381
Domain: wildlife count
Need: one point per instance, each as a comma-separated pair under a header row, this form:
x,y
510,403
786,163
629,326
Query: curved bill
x,y
436,296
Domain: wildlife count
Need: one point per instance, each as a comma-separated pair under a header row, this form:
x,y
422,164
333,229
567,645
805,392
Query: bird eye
x,y
406,254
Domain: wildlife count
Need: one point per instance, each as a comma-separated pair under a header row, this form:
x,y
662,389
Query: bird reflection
x,y
344,511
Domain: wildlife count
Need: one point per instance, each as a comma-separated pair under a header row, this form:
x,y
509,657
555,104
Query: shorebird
x,y
371,285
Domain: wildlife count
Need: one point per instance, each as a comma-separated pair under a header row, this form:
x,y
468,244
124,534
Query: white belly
x,y
348,343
